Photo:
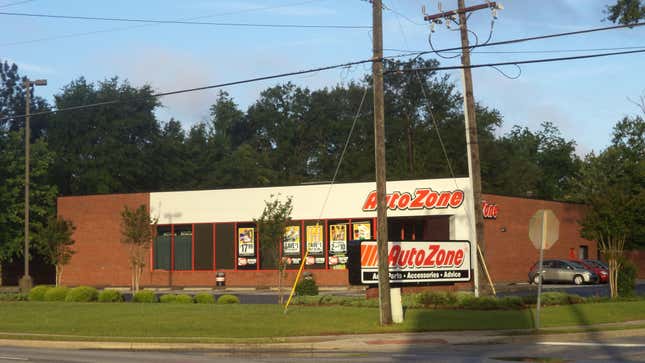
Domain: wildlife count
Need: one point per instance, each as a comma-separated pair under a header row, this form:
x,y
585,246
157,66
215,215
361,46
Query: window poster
x,y
362,230
315,239
246,242
337,238
338,246
291,241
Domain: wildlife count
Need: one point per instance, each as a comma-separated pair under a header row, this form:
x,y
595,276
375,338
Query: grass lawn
x,y
221,323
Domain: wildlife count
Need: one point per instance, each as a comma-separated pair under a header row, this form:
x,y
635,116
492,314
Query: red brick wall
x,y
511,254
101,259
638,258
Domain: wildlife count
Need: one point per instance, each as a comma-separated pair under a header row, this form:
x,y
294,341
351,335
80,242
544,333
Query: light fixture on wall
x,y
503,229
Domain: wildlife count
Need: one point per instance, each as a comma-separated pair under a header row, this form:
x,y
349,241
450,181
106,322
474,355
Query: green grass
x,y
212,322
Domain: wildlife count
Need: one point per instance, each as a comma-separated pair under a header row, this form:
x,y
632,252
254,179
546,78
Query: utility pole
x,y
25,282
472,142
379,156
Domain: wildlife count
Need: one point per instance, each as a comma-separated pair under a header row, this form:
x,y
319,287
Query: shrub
x,y
144,296
37,293
184,299
82,294
110,296
627,278
13,296
56,293
437,298
168,298
479,303
204,298
307,287
228,299
511,303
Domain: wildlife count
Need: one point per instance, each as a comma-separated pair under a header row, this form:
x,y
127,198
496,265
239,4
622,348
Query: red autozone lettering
x,y
432,256
422,198
489,210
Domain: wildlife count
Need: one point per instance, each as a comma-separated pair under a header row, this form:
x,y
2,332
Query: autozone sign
x,y
414,262
422,198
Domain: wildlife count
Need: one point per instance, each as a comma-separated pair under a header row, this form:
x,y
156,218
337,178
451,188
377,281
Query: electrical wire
x,y
324,68
184,22
15,3
519,72
521,51
544,60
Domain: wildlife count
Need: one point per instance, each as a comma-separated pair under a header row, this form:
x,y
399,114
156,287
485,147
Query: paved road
x,y
629,349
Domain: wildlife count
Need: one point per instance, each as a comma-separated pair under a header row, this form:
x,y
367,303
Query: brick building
x,y
201,232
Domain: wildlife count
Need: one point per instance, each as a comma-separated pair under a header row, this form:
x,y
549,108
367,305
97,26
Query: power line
x,y
73,35
15,3
282,75
184,22
544,60
522,51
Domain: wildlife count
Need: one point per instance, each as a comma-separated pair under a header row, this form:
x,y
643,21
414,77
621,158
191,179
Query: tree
x,y
137,232
54,241
104,149
271,228
626,11
42,199
612,184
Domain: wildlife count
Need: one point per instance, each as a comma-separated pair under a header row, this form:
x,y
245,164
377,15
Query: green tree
x,y
271,228
54,241
137,232
42,199
612,184
104,149
626,11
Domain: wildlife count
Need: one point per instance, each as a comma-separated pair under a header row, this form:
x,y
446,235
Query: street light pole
x,y
25,281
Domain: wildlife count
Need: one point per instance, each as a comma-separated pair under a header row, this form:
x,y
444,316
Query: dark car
x,y
603,273
598,264
562,271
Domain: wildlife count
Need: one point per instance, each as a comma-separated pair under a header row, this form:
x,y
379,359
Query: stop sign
x,y
544,229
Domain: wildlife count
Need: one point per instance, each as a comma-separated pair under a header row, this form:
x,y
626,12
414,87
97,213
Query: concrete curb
x,y
341,343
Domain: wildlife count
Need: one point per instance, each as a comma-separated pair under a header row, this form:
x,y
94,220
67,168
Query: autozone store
x,y
201,232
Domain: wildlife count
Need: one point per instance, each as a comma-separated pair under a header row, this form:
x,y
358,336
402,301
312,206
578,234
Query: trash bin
x,y
220,279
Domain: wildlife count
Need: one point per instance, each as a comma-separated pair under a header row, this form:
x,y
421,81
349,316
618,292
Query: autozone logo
x,y
413,255
422,198
489,210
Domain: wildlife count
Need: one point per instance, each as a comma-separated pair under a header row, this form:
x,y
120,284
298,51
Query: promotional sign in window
x,y
246,242
291,245
337,246
362,230
418,262
315,245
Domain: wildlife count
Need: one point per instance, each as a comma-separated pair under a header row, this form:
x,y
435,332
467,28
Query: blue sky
x,y
584,98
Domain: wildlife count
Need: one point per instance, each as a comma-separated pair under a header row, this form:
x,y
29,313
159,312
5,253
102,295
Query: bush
x,y
511,303
479,303
184,299
228,299
168,298
627,278
82,294
13,296
307,287
37,293
56,293
110,296
437,298
204,298
144,296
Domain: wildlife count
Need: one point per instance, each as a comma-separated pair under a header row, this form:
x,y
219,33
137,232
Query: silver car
x,y
562,271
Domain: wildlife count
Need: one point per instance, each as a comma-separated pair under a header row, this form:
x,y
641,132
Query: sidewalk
x,y
359,342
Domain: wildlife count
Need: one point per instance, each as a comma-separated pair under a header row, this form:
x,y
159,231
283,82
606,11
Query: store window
x,y
292,246
183,251
203,247
338,232
225,246
161,248
583,252
247,252
315,244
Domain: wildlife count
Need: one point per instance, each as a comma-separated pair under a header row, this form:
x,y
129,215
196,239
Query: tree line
x,y
289,135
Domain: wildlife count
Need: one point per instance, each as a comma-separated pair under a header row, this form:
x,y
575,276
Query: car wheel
x,y
578,280
536,279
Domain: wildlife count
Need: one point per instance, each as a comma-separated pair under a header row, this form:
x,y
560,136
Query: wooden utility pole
x,y
379,156
472,142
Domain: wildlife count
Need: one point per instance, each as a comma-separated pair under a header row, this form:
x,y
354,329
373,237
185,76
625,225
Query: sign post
x,y
544,229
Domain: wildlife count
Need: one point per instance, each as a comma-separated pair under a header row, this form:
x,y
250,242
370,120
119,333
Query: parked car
x,y
603,273
561,271
598,264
